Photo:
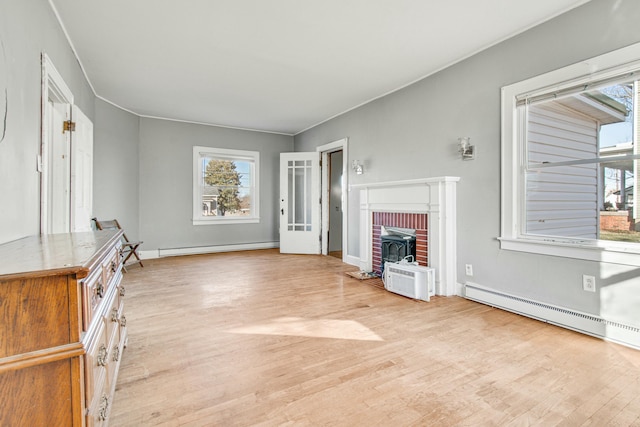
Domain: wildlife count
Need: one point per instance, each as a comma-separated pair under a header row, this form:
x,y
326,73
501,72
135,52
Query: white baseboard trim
x,y
149,254
352,260
567,318
165,252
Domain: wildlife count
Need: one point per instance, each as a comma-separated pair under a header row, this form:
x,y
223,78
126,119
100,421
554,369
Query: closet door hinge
x,y
68,126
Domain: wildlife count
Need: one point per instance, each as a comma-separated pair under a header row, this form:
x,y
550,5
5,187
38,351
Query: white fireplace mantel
x,y
434,196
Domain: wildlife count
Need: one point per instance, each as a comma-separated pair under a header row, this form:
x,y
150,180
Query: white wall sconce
x,y
357,167
465,148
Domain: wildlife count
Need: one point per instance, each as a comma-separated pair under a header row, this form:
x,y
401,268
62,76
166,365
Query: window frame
x,y
226,154
513,157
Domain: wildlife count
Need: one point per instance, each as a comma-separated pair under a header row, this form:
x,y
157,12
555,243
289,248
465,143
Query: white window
x,y
225,186
570,161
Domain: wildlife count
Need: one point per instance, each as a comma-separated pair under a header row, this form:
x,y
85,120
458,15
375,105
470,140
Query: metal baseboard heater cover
x,y
570,319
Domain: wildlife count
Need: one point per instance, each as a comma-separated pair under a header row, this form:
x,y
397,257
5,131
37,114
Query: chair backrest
x,y
112,224
129,248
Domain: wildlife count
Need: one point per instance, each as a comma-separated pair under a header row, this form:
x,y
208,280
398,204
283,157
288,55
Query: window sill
x,y
221,221
600,251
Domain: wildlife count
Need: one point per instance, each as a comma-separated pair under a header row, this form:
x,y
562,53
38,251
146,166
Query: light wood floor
x,y
259,338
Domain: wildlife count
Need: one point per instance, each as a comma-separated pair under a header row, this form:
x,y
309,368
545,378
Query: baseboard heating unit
x,y
570,319
413,281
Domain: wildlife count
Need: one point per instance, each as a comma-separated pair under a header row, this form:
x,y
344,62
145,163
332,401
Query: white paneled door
x,y
65,161
300,203
57,167
81,171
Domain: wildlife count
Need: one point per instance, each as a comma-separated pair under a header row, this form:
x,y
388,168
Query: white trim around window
x,y
513,157
249,168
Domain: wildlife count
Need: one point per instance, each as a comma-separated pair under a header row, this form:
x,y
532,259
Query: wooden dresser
x,y
62,328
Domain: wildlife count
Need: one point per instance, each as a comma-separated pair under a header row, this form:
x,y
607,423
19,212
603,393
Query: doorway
x,y
335,160
66,158
302,185
334,208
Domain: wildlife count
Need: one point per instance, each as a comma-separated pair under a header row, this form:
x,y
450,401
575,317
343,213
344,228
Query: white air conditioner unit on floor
x,y
413,281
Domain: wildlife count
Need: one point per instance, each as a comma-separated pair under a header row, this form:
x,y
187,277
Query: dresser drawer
x,y
115,342
94,289
121,292
123,319
98,411
111,264
115,354
96,362
112,316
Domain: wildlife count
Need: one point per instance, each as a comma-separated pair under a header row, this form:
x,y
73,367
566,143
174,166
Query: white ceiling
x,y
278,65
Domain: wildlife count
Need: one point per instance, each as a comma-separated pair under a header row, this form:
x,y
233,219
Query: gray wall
x,y
115,167
413,133
166,184
27,29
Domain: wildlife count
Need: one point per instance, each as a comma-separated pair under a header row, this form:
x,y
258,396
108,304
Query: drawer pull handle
x,y
113,266
122,291
123,321
116,353
102,355
103,410
100,290
114,314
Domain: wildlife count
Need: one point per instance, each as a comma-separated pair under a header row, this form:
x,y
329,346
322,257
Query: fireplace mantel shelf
x,y
407,182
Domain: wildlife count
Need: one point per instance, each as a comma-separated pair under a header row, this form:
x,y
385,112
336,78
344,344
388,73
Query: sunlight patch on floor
x,y
317,328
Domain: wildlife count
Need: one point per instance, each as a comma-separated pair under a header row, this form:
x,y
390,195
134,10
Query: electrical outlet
x,y
588,283
468,268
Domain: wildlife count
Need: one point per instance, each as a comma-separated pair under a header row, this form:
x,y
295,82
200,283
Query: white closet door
x,y
81,171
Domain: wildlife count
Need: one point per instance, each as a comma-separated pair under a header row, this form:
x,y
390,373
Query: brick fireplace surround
x,y
433,199
417,222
